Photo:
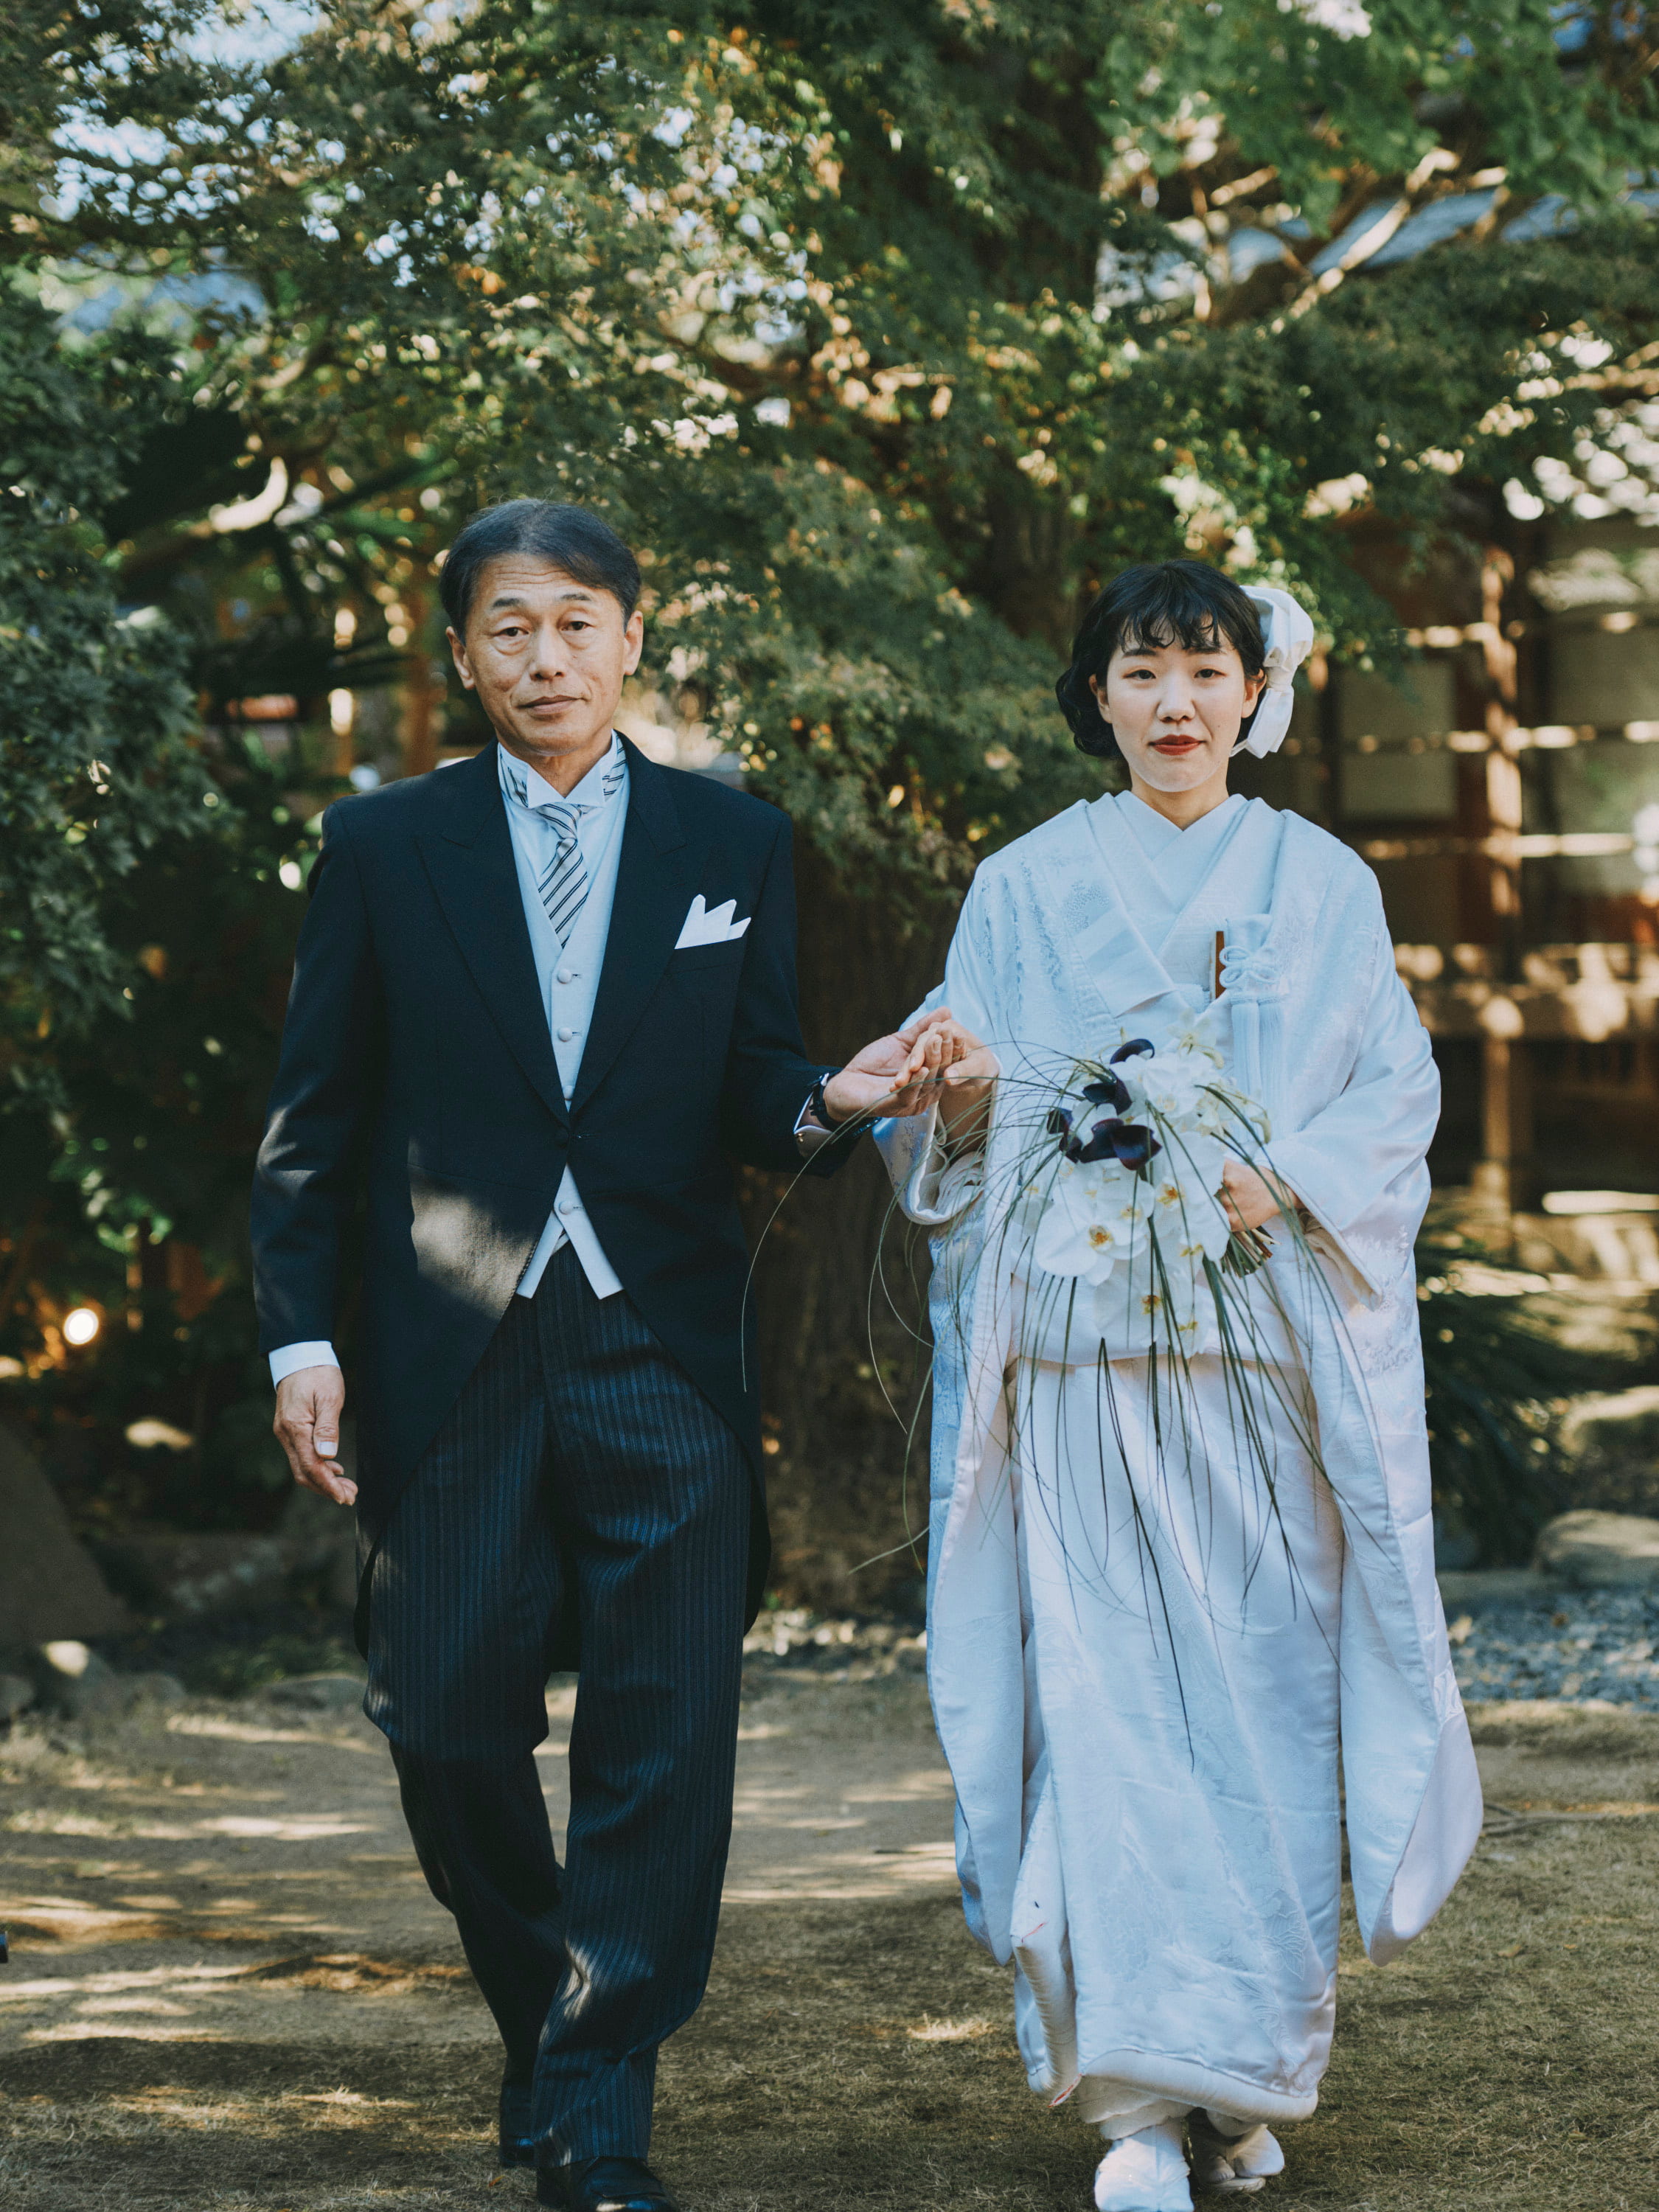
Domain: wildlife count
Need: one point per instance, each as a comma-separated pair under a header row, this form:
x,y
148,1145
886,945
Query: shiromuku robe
x,y
1143,1659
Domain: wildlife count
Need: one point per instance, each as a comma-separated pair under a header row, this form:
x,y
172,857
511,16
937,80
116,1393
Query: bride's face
x,y
1176,713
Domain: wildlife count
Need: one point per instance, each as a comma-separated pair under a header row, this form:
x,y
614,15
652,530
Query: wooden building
x,y
1504,785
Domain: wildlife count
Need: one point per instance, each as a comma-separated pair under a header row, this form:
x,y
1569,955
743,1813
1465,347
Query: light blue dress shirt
x,y
568,974
568,978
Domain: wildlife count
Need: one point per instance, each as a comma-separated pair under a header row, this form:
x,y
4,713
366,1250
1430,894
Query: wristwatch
x,y
813,1127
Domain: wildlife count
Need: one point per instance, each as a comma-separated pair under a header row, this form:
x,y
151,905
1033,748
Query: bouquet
x,y
1128,1197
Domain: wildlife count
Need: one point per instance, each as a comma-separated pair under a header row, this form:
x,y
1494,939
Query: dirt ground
x,y
228,1986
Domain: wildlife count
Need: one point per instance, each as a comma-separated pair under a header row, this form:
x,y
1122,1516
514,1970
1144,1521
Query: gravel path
x,y
1583,1646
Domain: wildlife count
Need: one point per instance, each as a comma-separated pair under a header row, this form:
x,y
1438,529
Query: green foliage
x,y
884,332
93,765
1497,1373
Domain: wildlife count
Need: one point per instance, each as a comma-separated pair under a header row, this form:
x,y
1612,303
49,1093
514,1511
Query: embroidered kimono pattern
x,y
1146,1659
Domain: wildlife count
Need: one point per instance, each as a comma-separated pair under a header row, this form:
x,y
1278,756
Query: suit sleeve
x,y
768,1077
328,1081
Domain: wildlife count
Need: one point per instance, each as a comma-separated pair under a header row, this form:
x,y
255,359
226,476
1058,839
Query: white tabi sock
x,y
1144,2172
1230,2159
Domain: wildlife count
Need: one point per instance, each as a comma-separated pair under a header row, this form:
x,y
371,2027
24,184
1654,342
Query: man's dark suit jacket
x,y
417,1071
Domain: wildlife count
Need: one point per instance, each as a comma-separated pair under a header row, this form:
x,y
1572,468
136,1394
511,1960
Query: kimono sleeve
x,y
1360,1166
931,1187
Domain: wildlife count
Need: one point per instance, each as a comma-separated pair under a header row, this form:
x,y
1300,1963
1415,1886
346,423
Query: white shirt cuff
x,y
810,1133
293,1357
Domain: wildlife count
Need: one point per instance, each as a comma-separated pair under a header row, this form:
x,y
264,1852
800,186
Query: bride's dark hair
x,y
1156,603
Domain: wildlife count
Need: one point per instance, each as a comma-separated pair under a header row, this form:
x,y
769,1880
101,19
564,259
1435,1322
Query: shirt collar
x,y
607,776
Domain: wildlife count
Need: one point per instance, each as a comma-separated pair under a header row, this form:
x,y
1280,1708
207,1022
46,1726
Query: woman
x,y
1178,1557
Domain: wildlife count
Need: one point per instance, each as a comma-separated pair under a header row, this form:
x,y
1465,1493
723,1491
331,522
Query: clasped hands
x,y
932,1059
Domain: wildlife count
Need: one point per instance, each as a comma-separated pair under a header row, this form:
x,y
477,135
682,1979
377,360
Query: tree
x,y
885,333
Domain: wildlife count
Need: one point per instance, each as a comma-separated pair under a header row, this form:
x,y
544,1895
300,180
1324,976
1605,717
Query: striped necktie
x,y
563,883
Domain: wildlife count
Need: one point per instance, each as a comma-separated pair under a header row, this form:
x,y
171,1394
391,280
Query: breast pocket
x,y
710,962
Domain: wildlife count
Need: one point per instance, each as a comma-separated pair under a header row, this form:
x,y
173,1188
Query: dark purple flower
x,y
1060,1122
1133,1145
1128,1051
1108,1090
1126,1142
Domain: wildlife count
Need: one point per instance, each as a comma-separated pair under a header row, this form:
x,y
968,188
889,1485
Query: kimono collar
x,y
1090,865
1179,862
1109,892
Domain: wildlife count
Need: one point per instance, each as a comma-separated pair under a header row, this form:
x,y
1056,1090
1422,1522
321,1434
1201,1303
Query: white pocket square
x,y
703,926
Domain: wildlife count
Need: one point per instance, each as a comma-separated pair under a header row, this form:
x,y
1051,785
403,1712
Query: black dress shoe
x,y
604,2184
517,2138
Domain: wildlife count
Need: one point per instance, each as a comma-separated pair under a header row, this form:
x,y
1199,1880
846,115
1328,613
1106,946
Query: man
x,y
542,998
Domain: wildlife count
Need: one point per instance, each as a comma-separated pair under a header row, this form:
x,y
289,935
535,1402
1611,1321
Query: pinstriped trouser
x,y
579,1455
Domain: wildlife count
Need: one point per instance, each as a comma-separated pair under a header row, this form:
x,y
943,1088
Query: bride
x,y
1181,1561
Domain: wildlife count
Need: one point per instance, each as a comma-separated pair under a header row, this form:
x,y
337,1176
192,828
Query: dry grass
x,y
854,2051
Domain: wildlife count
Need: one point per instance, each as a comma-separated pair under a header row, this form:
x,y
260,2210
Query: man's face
x,y
547,657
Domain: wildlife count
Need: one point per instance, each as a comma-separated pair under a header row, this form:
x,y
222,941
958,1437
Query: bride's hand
x,y
965,1090
1249,1201
899,1075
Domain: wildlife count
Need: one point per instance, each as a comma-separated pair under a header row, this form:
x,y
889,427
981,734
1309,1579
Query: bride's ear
x,y
1099,689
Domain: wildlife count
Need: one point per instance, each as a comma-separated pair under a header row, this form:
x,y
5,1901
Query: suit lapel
x,y
656,875
470,865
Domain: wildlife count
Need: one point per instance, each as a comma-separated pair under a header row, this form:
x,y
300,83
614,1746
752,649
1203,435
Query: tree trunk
x,y
840,1286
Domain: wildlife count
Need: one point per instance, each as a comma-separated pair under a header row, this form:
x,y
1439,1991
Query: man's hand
x,y
309,1404
898,1075
1248,1200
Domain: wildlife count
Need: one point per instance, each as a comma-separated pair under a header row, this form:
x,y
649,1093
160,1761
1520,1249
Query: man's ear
x,y
635,634
463,666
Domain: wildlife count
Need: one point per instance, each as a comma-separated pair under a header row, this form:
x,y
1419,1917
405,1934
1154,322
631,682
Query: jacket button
x,y
565,1035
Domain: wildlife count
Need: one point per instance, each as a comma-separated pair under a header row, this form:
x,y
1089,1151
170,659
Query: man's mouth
x,y
540,705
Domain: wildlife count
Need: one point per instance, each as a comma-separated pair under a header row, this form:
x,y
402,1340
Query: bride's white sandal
x,y
1233,2166
1144,2172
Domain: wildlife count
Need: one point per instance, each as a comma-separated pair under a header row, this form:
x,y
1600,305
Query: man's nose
x,y
547,652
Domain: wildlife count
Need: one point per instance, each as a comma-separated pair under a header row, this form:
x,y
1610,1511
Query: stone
x,y
320,1540
317,1693
1612,1446
1601,1551
16,1696
50,1587
191,1578
156,1689
75,1683
1622,1427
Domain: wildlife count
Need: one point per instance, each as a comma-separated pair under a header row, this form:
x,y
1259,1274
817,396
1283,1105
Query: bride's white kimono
x,y
1144,1672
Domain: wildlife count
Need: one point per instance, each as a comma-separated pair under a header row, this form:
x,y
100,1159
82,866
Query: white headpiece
x,y
1288,636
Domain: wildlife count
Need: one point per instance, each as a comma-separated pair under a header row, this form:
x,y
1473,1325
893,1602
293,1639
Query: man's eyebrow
x,y
514,599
